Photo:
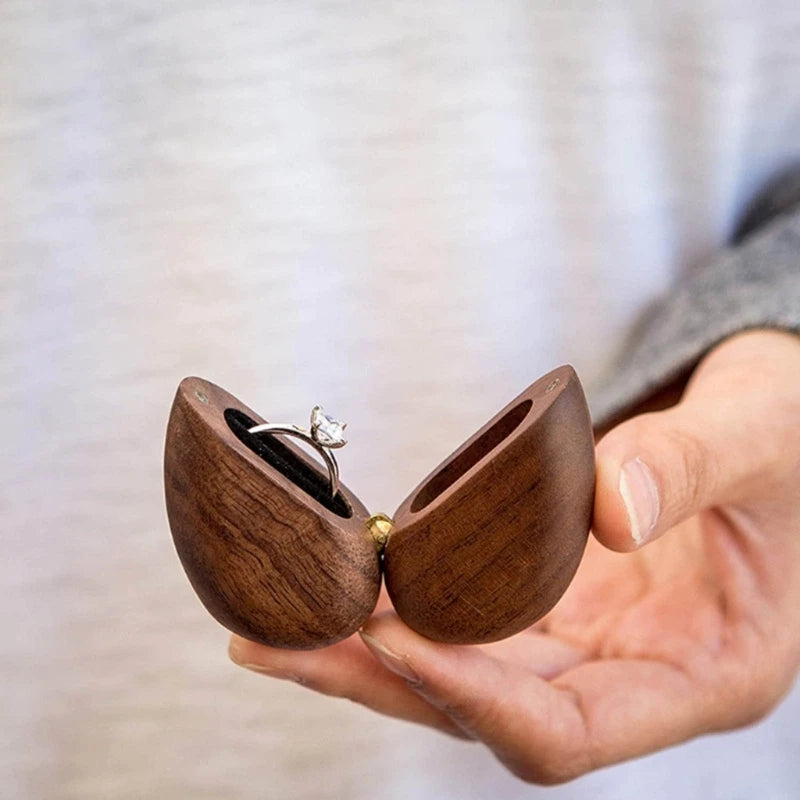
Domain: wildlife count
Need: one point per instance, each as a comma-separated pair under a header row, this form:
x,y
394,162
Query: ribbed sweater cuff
x,y
754,285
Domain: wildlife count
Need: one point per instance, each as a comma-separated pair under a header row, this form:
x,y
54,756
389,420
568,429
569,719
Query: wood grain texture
x,y
268,560
490,540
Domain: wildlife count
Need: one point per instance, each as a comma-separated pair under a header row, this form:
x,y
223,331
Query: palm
x,y
677,601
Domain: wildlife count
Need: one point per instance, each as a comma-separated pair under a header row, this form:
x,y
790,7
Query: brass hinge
x,y
380,527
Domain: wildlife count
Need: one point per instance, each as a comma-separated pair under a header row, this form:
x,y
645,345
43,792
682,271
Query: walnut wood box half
x,y
481,549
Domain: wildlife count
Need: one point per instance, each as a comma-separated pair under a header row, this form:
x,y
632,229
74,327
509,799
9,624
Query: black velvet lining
x,y
279,456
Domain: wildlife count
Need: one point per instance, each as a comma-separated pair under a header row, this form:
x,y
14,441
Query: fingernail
x,y
640,495
235,655
391,660
272,672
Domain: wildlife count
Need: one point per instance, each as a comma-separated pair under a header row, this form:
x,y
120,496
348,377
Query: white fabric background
x,y
406,211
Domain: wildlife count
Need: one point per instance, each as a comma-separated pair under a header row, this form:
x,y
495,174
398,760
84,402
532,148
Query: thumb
x,y
660,468
501,702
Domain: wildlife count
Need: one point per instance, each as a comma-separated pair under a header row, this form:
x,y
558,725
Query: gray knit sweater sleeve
x,y
753,285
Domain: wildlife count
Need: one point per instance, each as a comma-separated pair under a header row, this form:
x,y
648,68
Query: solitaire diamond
x,y
326,430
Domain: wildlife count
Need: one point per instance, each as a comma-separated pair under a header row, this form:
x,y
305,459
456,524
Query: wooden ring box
x,y
481,549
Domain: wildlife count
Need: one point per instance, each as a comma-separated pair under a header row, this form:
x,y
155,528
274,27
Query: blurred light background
x,y
405,211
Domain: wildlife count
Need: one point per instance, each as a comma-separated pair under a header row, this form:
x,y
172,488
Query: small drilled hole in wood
x,y
462,463
283,459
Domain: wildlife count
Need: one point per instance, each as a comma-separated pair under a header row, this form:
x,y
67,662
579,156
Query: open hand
x,y
681,620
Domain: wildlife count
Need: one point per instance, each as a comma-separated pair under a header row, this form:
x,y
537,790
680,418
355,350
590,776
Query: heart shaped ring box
x,y
481,549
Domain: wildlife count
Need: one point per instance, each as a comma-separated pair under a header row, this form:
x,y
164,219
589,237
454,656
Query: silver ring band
x,y
325,433
299,433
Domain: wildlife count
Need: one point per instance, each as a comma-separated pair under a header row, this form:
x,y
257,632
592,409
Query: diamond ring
x,y
324,435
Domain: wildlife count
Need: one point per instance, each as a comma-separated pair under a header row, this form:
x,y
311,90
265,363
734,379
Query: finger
x,y
526,722
345,670
595,714
384,601
348,670
720,444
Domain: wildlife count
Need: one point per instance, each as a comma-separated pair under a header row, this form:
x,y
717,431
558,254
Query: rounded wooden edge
x,y
541,394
